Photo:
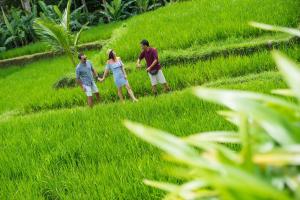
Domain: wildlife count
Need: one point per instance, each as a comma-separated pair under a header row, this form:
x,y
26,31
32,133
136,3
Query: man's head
x,y
144,44
82,57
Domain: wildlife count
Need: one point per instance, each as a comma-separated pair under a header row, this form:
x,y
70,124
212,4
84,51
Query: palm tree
x,y
59,36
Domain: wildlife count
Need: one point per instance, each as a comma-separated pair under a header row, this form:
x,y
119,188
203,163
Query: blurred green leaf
x,y
290,71
279,156
172,145
276,125
162,185
284,92
268,27
216,136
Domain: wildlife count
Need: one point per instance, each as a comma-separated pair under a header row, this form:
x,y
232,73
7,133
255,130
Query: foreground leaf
x,y
216,136
290,71
170,144
276,125
284,92
279,157
268,27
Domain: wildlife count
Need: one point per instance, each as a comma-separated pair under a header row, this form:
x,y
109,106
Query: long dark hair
x,y
111,55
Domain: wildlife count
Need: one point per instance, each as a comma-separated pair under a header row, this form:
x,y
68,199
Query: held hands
x,y
101,79
148,69
138,65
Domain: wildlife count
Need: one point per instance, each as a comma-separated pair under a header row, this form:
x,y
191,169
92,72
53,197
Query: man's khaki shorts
x,y
157,78
89,90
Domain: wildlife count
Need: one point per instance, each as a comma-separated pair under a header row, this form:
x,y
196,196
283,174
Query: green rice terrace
x,y
54,146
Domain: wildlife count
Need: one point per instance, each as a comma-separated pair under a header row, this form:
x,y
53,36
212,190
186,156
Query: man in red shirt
x,y
153,67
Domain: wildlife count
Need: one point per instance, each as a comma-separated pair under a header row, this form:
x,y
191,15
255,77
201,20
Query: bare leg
x,y
97,96
120,94
90,101
154,90
166,87
130,92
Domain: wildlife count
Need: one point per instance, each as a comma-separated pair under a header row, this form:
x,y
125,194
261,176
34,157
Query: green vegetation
x,y
97,33
37,93
88,154
58,34
54,147
268,128
33,48
267,134
198,22
17,16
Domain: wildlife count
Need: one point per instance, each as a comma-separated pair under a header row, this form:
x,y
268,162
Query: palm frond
x,y
65,20
52,33
77,37
8,25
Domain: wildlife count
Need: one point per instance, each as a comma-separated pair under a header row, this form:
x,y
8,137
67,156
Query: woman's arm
x,y
104,75
122,67
124,72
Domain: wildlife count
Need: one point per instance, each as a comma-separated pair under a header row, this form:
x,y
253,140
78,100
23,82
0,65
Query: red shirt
x,y
150,55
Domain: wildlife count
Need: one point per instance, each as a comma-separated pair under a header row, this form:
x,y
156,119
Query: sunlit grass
x,y
26,50
33,90
60,149
88,153
199,22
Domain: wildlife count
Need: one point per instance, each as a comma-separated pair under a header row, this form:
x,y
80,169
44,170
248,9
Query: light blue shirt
x,y
84,72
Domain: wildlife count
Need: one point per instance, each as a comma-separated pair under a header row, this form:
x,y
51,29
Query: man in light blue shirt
x,y
85,78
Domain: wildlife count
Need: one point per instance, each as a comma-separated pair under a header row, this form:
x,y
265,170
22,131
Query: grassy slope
x,y
88,154
211,22
100,32
198,22
32,86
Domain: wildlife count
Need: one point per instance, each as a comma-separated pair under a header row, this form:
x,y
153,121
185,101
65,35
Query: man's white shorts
x,y
157,78
89,90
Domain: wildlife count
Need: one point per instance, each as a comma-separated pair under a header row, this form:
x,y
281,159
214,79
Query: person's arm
x,y
155,56
152,65
123,69
78,81
94,72
106,71
138,64
141,57
104,75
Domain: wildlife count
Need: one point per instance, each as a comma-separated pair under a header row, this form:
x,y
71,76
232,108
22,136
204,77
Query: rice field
x,y
199,22
87,154
54,147
33,91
